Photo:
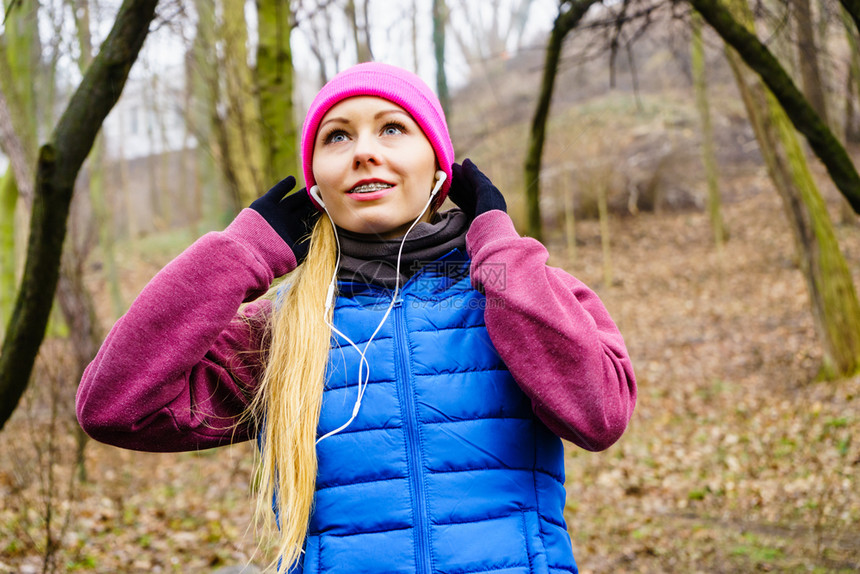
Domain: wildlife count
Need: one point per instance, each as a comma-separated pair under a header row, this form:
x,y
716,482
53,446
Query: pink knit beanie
x,y
394,84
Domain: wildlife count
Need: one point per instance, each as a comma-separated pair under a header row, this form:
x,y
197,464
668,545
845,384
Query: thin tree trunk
x,y
414,38
362,50
853,9
852,129
569,214
8,255
275,90
602,181
59,162
564,23
835,307
101,214
756,55
440,20
241,139
708,156
852,93
365,30
810,71
203,115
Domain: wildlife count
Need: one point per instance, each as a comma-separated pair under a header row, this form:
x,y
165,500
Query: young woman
x,y
408,385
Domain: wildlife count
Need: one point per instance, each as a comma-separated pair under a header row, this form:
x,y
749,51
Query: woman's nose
x,y
366,151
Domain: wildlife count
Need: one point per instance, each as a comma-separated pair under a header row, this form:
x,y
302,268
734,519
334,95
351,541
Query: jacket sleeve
x,y
177,370
554,334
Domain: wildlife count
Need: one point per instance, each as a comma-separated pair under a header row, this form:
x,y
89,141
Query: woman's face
x,y
374,166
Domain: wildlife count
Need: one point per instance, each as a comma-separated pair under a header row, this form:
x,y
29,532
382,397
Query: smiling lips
x,y
370,187
370,190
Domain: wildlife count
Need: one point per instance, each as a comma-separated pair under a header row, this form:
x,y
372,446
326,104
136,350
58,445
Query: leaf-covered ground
x,y
737,460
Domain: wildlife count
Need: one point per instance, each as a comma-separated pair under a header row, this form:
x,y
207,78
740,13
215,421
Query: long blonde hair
x,y
287,403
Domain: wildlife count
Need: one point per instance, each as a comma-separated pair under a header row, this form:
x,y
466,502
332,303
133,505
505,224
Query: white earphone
x,y
317,195
441,176
363,364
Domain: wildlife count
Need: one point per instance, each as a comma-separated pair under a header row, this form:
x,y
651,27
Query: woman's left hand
x,y
473,192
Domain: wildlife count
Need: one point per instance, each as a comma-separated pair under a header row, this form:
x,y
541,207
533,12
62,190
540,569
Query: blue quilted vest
x,y
445,468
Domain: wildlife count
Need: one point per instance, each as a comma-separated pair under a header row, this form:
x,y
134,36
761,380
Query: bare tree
x,y
708,156
569,15
833,298
59,162
798,109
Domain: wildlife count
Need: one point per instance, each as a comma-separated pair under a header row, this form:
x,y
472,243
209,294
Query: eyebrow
x,y
376,116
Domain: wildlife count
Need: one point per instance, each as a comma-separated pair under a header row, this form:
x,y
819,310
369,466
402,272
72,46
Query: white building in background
x,y
149,118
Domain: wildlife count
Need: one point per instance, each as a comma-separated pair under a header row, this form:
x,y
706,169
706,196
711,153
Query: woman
x,y
409,386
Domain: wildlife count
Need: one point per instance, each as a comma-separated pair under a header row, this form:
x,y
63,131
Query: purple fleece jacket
x,y
176,372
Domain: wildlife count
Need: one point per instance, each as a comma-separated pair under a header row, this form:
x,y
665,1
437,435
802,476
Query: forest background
x,y
664,174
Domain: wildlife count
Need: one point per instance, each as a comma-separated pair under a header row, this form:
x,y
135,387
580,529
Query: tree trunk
x,y
708,156
18,55
8,256
756,55
102,216
569,214
602,181
853,9
852,90
203,116
275,89
22,56
440,20
835,307
241,139
59,162
362,50
414,36
810,71
564,23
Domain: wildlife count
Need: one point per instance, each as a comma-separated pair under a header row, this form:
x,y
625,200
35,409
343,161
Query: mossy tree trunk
x,y
853,9
833,298
202,115
852,88
807,58
275,91
241,138
18,57
8,257
797,108
58,165
708,156
570,13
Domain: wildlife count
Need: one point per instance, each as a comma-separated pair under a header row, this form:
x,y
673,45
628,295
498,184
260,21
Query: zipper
x,y
416,482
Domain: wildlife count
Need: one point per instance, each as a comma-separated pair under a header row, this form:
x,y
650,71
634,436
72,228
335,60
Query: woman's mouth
x,y
370,187
369,191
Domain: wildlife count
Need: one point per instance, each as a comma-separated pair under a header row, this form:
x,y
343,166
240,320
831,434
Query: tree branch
x,y
853,8
59,162
800,112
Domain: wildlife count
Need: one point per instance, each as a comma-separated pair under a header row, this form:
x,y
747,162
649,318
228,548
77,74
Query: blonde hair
x,y
286,406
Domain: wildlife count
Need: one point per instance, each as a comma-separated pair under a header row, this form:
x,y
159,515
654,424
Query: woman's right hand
x,y
291,216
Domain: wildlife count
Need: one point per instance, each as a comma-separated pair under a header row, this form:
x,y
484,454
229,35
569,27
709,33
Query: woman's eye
x,y
392,130
335,137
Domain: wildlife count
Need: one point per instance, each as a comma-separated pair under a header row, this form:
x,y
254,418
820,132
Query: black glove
x,y
473,192
292,217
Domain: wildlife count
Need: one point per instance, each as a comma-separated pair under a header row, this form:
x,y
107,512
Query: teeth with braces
x,y
368,187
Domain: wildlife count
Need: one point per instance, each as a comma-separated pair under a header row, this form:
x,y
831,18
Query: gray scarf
x,y
369,259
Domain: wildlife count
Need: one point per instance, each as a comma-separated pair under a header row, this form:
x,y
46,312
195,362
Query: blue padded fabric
x,y
445,469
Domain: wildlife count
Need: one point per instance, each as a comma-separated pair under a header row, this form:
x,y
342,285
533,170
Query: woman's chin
x,y
383,227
